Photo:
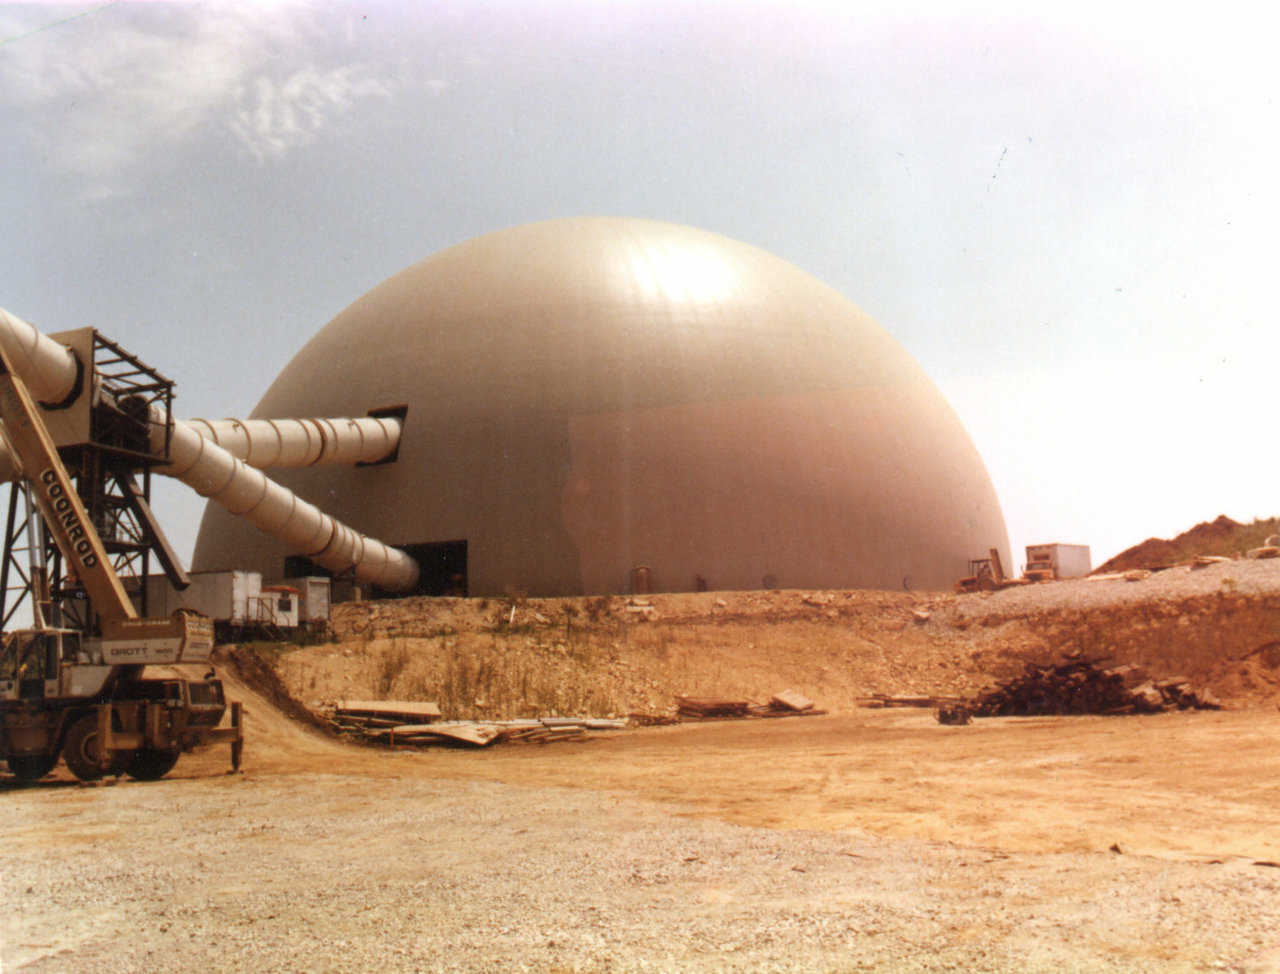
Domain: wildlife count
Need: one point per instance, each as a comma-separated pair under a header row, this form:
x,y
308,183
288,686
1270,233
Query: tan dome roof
x,y
589,395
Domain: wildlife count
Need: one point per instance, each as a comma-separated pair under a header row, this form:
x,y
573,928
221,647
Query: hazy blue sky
x,y
1068,219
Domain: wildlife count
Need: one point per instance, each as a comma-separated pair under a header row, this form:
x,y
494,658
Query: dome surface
x,y
587,396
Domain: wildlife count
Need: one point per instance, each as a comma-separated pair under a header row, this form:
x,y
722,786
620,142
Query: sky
x,y
1067,218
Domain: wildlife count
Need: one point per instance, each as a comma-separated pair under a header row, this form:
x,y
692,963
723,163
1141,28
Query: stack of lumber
x,y
1084,687
789,703
701,708
877,700
402,722
481,734
360,716
652,720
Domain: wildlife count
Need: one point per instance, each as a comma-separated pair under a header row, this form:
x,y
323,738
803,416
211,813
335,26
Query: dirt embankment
x,y
1219,627
1221,536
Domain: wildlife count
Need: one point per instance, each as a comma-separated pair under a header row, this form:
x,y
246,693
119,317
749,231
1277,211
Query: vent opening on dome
x,y
388,412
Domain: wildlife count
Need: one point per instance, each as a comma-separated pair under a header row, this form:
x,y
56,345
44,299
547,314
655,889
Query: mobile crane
x,y
82,691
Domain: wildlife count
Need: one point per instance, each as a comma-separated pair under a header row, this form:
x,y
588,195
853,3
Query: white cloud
x,y
273,117
105,94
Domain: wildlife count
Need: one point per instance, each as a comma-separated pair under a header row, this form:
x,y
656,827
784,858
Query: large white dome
x,y
590,395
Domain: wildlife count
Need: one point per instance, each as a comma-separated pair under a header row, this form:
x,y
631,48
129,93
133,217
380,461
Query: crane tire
x,y
31,767
150,764
80,750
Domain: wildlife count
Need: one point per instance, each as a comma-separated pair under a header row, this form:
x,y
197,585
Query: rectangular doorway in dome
x,y
442,567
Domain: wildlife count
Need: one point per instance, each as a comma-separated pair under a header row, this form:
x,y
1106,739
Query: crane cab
x,y
31,661
47,664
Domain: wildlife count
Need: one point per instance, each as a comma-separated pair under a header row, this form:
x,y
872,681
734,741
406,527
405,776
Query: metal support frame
x,y
20,555
112,475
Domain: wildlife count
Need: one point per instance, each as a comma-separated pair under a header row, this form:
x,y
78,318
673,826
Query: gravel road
x,y
1239,577
327,872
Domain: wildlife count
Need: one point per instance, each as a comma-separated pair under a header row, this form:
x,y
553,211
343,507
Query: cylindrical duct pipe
x,y
246,491
49,368
51,372
267,443
223,476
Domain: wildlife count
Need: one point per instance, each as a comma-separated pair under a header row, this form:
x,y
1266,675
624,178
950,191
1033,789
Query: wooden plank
x,y
791,700
711,707
410,709
903,701
478,735
347,720
401,729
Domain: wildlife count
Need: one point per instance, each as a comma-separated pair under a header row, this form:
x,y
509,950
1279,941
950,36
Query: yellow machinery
x,y
81,692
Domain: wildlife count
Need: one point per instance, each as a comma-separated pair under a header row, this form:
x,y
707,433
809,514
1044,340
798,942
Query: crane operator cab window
x,y
30,658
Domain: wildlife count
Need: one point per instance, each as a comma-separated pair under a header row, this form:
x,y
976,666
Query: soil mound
x,y
255,672
1221,536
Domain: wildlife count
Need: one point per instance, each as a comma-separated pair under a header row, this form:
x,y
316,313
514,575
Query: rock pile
x,y
1081,686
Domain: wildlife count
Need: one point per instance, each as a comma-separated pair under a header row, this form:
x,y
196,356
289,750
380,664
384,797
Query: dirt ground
x,y
891,842
1187,785
879,840
1160,785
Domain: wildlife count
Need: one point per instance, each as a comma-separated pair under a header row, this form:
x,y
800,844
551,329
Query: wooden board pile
x,y
364,714
789,703
481,734
639,719
1082,686
878,700
409,723
396,723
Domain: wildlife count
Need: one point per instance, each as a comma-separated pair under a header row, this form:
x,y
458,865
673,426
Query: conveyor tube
x,y
246,491
274,443
267,443
48,368
51,372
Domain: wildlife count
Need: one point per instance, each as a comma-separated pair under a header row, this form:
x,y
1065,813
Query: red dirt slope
x,y
1222,536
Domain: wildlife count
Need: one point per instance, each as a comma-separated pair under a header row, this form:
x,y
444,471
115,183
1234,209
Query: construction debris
x,y
1204,561
652,720
789,703
955,714
880,700
413,723
1083,687
395,711
700,708
791,700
